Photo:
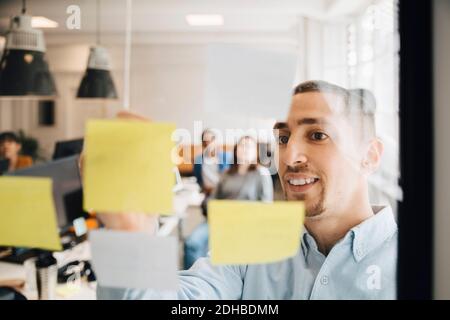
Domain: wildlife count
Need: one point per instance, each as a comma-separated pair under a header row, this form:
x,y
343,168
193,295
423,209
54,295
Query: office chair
x,y
8,293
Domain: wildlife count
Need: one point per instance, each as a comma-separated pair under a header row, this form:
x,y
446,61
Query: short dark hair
x,y
235,165
9,136
358,101
208,131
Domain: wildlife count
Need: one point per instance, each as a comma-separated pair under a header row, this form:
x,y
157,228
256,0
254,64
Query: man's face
x,y
9,149
319,159
208,139
247,151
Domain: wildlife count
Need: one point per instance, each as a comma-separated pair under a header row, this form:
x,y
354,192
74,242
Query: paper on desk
x,y
27,213
245,232
128,167
134,260
11,273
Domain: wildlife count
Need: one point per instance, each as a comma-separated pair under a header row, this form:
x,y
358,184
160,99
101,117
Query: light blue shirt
x,y
362,265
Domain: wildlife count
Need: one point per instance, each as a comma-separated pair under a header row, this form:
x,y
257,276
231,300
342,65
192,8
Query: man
x,y
211,163
208,168
327,150
10,147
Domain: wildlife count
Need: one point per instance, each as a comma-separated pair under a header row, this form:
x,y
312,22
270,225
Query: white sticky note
x,y
134,260
249,81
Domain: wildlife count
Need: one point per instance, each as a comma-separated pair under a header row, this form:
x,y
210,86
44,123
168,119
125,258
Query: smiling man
x,y
327,150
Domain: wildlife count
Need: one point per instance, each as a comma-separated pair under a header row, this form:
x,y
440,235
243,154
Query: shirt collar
x,y
365,237
373,232
307,241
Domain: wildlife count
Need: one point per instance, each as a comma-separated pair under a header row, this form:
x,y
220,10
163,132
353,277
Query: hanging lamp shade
x,y
97,81
23,69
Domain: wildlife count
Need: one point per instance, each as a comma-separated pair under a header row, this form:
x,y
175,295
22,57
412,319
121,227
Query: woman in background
x,y
10,147
244,180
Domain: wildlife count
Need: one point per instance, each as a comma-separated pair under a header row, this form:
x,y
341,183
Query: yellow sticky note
x,y
128,167
27,213
246,232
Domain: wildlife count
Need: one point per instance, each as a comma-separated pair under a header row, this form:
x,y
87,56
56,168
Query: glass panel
x,y
272,100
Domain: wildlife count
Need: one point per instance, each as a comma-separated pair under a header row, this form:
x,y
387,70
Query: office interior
x,y
167,61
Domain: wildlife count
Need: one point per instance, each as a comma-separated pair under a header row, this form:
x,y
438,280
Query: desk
x,y
78,290
82,290
183,199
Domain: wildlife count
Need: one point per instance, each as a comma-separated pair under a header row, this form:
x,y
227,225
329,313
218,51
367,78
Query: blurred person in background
x,y
211,163
10,147
244,180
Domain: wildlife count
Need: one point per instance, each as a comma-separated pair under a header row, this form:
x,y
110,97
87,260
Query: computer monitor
x,y
67,190
67,148
4,166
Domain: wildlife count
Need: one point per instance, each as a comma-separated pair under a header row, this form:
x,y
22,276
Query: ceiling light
x,y
23,69
97,81
204,20
43,22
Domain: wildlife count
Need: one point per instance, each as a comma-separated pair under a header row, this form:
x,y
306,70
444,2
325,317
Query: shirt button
x,y
359,252
324,280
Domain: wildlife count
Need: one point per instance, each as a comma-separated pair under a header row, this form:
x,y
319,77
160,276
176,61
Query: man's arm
x,y
201,281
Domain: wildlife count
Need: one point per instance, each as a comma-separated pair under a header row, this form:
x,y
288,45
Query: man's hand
x,y
130,221
127,221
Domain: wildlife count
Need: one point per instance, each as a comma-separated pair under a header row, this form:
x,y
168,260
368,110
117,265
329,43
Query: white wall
x,y
167,77
442,149
167,84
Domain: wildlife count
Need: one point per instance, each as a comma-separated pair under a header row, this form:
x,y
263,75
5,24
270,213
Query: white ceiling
x,y
168,16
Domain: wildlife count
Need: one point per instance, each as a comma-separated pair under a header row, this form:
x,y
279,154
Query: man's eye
x,y
283,139
319,136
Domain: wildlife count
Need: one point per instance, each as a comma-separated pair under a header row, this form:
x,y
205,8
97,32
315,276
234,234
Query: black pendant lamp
x,y
97,82
24,73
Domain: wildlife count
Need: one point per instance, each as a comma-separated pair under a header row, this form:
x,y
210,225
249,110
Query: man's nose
x,y
295,154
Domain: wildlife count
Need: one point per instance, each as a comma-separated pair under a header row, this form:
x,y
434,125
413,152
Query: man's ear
x,y
372,160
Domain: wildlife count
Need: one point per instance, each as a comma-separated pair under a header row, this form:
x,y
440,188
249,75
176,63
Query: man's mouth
x,y
297,184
